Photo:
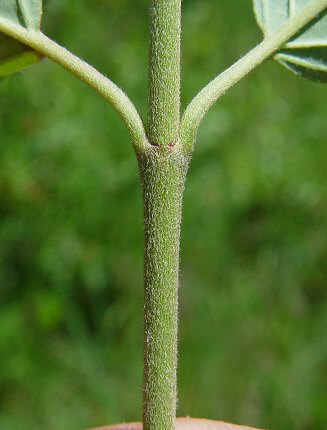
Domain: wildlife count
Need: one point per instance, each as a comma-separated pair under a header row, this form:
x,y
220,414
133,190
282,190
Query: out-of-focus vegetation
x,y
253,314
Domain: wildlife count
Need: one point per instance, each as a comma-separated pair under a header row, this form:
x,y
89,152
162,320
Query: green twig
x,y
163,169
164,72
202,102
88,74
163,172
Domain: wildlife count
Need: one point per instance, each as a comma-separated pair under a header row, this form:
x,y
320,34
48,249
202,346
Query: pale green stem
x,y
163,169
164,72
201,103
88,74
163,164
163,172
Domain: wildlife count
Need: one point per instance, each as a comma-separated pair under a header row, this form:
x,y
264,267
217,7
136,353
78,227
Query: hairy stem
x,y
201,103
163,172
88,74
162,169
164,72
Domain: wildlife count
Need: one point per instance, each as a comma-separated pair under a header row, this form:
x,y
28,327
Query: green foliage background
x,y
253,313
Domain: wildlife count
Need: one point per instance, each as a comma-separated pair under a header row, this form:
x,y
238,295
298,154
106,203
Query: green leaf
x,y
306,53
27,13
15,56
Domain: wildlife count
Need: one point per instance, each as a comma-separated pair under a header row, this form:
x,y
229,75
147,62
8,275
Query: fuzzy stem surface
x,y
163,172
162,169
164,72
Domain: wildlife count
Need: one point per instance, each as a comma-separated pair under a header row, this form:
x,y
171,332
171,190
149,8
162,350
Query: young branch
x,y
202,102
163,168
164,72
88,74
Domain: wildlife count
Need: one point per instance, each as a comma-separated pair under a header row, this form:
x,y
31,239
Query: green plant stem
x,y
163,156
163,172
162,168
164,72
202,102
88,74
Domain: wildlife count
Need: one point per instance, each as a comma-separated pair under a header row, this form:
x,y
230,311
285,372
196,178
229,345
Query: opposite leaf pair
x,y
306,54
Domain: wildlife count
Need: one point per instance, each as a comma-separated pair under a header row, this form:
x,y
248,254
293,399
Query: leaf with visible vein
x,y
15,56
306,53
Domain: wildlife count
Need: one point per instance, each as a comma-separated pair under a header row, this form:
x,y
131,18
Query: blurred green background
x,y
253,312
